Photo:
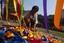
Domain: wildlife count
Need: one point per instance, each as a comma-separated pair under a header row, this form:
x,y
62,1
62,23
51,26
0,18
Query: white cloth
x,y
36,15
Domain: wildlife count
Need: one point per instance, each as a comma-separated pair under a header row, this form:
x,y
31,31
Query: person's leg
x,y
32,25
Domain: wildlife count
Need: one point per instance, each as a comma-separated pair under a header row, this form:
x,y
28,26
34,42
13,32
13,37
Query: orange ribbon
x,y
58,13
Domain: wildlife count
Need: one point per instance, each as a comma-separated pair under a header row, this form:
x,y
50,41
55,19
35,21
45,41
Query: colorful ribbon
x,y
15,7
22,7
21,16
0,9
15,39
58,13
3,5
7,1
45,14
18,37
18,8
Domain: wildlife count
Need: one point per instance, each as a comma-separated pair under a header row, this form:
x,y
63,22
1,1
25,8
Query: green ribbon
x,y
22,8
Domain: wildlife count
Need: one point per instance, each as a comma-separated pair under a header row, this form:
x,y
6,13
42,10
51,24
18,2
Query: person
x,y
30,19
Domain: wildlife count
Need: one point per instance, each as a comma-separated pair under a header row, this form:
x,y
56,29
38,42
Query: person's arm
x,y
23,21
26,19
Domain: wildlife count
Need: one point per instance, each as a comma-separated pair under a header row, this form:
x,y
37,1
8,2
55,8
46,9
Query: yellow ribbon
x,y
7,1
14,2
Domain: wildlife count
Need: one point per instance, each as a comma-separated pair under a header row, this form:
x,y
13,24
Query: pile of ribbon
x,y
12,35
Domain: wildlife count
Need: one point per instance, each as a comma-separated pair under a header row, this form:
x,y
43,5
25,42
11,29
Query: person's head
x,y
35,9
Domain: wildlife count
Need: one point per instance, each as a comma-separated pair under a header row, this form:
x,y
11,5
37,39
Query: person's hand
x,y
24,24
28,20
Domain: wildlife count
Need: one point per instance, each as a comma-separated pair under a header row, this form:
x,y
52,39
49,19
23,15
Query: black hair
x,y
35,7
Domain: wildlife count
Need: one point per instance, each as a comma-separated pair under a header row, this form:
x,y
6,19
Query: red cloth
x,y
35,41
